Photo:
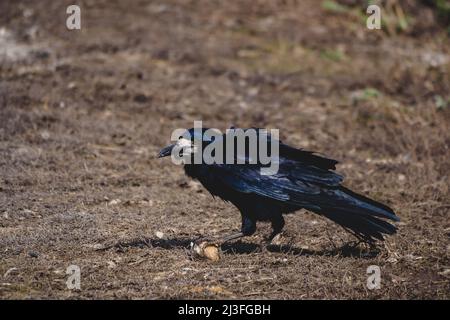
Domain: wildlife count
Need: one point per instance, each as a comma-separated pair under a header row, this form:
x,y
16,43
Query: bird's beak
x,y
166,151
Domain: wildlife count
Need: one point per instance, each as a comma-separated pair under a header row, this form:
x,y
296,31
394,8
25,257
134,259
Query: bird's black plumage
x,y
304,180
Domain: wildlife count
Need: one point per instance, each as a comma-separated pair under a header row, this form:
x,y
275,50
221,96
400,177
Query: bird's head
x,y
189,142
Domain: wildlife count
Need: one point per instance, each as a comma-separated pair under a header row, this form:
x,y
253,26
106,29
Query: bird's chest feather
x,y
210,181
249,204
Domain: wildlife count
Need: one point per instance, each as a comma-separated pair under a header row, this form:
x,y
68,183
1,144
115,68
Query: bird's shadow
x,y
349,249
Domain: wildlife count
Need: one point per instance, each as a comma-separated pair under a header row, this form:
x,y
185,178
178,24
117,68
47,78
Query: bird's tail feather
x,y
359,214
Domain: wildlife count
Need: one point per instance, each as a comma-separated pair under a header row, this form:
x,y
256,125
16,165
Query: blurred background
x,y
84,112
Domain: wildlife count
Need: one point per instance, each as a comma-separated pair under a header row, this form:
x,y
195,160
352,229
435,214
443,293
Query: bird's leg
x,y
277,227
208,247
247,229
248,226
221,239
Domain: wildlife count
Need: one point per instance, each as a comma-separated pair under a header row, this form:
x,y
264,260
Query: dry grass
x,y
83,114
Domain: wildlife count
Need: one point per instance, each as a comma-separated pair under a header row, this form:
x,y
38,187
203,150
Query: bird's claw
x,y
199,240
277,239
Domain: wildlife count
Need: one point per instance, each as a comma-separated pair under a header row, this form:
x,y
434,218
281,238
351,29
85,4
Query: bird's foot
x,y
277,240
202,239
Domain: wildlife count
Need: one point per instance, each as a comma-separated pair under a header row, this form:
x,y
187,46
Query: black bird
x,y
304,180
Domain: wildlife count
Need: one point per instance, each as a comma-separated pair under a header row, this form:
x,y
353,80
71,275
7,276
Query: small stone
x,y
114,202
71,85
45,135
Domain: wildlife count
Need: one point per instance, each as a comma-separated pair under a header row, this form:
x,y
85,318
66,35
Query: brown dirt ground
x,y
83,114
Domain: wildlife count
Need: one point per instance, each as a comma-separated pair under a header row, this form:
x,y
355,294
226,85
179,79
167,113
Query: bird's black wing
x,y
307,157
293,182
